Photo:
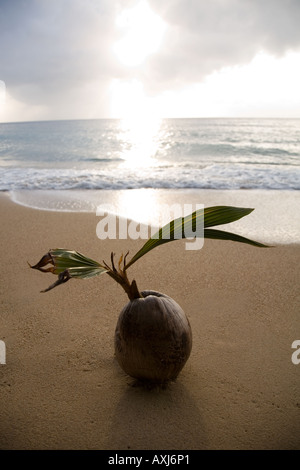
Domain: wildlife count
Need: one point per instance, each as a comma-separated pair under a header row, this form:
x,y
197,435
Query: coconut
x,y
153,338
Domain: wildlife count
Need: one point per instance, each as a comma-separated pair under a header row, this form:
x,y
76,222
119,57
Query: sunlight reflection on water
x,y
140,141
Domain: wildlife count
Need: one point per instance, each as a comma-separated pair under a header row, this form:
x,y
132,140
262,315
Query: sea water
x,y
136,165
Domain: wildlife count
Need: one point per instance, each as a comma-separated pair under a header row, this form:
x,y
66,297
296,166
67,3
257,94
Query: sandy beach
x,y
61,387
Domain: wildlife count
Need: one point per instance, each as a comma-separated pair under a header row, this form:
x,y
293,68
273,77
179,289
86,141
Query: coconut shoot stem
x,y
120,276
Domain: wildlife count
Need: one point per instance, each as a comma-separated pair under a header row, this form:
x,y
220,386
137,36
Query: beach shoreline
x,y
61,387
274,219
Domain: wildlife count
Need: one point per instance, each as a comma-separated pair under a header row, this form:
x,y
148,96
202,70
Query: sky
x,y
85,59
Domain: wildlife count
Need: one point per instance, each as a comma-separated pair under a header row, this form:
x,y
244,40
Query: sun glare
x,y
127,98
140,122
140,136
139,205
142,31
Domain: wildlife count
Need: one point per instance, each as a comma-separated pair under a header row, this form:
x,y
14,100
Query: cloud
x,y
59,56
205,36
52,52
59,39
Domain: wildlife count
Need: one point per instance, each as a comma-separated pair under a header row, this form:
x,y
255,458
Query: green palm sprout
x,y
68,264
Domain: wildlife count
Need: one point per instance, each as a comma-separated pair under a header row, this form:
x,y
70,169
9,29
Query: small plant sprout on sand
x,y
153,337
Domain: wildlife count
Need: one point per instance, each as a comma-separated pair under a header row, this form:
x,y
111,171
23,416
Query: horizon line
x,y
159,118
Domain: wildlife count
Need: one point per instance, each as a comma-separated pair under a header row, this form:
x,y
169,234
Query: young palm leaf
x,y
68,264
183,227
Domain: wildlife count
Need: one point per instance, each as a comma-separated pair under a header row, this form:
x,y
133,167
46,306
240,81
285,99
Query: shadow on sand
x,y
156,418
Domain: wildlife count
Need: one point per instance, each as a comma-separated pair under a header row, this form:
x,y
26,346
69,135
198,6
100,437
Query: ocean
x,y
135,165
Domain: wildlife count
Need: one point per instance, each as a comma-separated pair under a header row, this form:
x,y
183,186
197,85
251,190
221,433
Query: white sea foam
x,y
182,153
214,176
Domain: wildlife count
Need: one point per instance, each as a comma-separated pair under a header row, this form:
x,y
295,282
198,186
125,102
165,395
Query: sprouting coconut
x,y
153,337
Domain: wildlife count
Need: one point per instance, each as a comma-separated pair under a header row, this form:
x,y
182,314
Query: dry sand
x,y
61,387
